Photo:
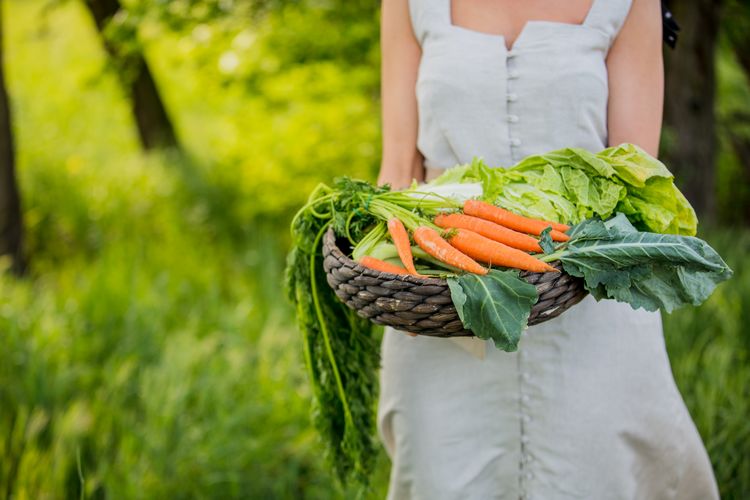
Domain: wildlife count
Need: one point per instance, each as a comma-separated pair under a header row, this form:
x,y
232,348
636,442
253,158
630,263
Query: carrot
x,y
490,230
514,221
486,250
401,240
381,265
430,241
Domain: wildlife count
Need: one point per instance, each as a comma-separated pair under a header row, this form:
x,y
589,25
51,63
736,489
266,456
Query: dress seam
x,y
521,434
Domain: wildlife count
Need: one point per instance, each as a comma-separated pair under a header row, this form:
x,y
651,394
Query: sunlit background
x,y
146,348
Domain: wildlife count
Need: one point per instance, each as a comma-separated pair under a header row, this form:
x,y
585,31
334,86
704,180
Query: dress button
x,y
513,118
512,97
517,142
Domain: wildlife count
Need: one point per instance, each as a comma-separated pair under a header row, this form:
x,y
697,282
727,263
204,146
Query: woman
x,y
587,407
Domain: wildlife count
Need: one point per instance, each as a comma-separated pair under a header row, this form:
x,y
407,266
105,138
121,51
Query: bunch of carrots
x,y
482,233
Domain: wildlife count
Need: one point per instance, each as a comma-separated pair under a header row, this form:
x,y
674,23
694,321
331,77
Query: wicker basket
x,y
423,305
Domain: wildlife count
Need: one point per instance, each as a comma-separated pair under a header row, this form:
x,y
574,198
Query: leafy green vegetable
x,y
496,305
457,174
545,240
371,242
341,354
644,269
615,259
340,351
572,184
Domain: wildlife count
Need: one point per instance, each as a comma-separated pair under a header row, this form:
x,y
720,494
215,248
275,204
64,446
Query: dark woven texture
x,y
423,305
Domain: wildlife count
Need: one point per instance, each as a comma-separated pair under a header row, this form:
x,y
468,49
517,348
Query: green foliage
x,y
341,354
648,270
494,306
352,32
340,349
709,348
166,376
151,353
150,348
733,134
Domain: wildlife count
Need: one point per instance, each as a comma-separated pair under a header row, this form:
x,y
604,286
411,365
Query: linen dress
x,y
587,407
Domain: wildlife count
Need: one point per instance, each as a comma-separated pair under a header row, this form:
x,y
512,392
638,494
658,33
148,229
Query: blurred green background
x,y
146,350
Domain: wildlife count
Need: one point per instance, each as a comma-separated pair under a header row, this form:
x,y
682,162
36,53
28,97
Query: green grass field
x,y
150,354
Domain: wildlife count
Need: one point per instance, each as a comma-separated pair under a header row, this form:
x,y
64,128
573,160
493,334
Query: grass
x,y
151,354
709,348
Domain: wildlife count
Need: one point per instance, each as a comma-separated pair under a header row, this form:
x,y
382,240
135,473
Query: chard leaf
x,y
545,240
619,225
590,229
644,269
494,306
459,300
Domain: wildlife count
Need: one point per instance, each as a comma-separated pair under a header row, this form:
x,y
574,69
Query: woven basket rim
x,y
430,311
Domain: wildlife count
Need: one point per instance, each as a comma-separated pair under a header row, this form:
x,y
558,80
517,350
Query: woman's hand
x,y
400,55
636,79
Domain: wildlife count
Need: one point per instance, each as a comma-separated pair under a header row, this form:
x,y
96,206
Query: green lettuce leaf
x,y
455,175
532,202
494,306
571,185
633,165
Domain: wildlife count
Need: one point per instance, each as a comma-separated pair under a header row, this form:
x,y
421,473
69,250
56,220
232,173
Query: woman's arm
x,y
636,79
400,54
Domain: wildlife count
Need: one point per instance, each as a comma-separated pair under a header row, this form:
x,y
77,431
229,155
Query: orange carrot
x,y
430,241
486,250
381,265
514,221
401,240
489,230
558,226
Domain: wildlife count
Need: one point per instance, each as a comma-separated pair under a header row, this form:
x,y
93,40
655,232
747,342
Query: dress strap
x,y
608,16
428,15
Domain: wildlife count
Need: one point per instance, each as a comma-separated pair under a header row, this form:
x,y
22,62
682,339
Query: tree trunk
x,y
10,205
689,103
155,129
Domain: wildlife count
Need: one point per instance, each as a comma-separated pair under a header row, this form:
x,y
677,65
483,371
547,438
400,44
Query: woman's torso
x,y
477,98
587,407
